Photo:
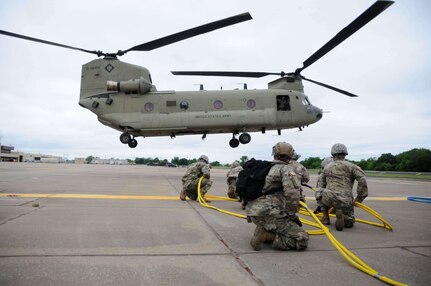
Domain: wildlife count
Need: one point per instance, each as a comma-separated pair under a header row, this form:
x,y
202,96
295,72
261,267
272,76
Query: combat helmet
x,y
282,148
325,162
339,148
204,158
235,164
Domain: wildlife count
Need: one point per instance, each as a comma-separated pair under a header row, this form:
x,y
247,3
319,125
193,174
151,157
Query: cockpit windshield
x,y
305,101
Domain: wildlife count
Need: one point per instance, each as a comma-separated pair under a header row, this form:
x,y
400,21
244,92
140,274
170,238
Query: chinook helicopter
x,y
123,95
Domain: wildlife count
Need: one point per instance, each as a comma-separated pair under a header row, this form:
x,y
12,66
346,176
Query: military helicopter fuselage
x,y
123,97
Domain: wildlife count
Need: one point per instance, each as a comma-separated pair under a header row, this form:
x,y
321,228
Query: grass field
x,y
400,175
392,175
382,174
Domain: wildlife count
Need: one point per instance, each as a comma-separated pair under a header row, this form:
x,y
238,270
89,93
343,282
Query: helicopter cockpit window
x,y
305,101
184,105
283,102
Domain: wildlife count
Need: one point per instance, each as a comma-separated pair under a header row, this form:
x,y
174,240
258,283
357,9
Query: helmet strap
x,y
283,158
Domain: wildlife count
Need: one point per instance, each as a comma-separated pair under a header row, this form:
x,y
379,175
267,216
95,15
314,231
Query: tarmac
x,y
69,224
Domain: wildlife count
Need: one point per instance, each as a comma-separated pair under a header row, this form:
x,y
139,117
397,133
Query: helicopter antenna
x,y
201,86
244,86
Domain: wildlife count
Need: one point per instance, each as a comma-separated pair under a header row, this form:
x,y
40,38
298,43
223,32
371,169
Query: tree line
x,y
415,160
179,161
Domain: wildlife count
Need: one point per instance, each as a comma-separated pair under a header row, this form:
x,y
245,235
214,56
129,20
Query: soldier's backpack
x,y
251,180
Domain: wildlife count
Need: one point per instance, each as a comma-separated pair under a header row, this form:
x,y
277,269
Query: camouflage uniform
x,y
323,164
191,179
232,175
334,189
276,212
301,171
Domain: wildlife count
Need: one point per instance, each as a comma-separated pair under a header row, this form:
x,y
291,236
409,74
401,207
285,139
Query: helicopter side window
x,y
184,105
283,103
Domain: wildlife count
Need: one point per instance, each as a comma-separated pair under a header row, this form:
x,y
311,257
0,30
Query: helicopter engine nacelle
x,y
135,86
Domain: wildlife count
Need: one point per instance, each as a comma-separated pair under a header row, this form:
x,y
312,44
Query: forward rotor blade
x,y
225,73
98,53
190,33
330,87
369,14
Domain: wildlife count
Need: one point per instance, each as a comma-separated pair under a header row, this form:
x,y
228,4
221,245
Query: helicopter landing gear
x,y
125,138
244,138
133,143
234,142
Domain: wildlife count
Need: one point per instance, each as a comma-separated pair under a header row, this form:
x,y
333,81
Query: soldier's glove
x,y
296,220
318,210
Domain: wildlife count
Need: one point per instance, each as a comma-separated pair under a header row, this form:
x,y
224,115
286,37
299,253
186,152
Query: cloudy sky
x,y
387,63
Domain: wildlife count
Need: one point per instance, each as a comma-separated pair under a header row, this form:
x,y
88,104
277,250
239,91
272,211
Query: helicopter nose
x,y
318,111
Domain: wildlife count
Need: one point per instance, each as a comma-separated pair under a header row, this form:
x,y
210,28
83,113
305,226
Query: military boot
x,y
339,223
183,195
325,218
269,237
260,236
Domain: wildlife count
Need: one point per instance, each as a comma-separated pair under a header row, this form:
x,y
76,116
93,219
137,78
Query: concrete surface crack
x,y
18,216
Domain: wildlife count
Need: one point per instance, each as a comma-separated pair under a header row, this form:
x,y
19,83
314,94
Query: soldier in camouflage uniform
x,y
232,175
334,189
191,179
323,164
301,171
275,213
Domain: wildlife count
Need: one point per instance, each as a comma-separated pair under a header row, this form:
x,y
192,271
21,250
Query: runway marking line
x,y
137,197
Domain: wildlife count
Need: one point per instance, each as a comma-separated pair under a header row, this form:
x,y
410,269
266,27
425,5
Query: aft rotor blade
x,y
369,14
190,33
225,73
330,87
98,53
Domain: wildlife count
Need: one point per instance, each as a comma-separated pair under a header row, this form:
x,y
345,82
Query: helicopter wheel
x,y
244,138
125,138
234,143
133,143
